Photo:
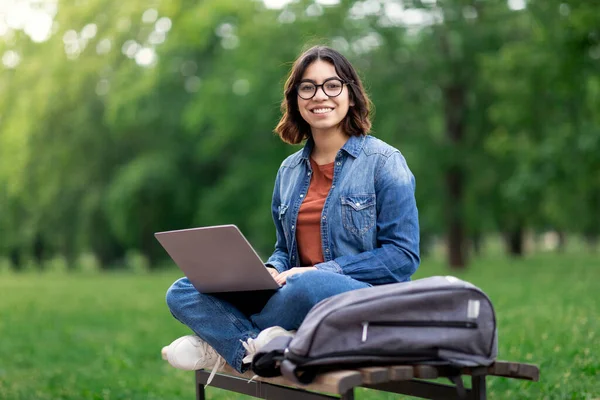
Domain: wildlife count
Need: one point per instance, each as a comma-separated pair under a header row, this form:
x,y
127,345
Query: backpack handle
x,y
265,363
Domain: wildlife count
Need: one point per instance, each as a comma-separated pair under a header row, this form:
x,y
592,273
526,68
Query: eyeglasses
x,y
332,87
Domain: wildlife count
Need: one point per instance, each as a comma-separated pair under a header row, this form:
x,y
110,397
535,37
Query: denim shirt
x,y
369,222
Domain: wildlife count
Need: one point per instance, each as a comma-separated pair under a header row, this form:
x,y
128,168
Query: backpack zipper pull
x,y
365,326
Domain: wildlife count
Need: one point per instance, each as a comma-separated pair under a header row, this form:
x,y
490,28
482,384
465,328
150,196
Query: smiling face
x,y
323,113
346,114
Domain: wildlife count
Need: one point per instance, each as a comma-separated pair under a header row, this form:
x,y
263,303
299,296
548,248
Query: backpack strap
x,y
291,372
266,361
455,377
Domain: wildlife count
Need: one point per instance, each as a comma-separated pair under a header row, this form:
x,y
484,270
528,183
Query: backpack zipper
x,y
432,324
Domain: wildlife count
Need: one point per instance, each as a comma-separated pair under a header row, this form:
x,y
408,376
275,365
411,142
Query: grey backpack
x,y
437,320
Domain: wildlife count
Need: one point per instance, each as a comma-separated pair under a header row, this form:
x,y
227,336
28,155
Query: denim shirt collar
x,y
310,143
353,146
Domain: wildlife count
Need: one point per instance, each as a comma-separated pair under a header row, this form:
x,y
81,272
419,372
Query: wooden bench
x,y
410,380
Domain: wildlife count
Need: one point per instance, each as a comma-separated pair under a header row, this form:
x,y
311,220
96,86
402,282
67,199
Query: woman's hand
x,y
273,271
282,277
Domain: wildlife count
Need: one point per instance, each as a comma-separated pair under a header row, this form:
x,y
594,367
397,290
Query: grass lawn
x,y
99,336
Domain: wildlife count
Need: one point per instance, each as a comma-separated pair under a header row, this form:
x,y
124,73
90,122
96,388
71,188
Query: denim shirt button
x,y
339,163
293,226
301,195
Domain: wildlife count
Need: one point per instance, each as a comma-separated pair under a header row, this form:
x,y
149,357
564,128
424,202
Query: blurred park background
x,y
119,119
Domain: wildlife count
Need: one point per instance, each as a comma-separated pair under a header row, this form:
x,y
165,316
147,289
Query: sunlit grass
x,y
99,336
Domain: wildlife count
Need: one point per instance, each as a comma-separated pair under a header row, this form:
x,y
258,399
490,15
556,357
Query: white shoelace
x,y
251,349
218,364
209,353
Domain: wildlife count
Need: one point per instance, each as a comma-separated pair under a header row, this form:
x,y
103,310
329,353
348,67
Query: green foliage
x,y
87,263
98,152
30,265
57,265
6,266
136,262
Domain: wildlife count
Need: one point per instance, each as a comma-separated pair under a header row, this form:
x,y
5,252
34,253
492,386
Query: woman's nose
x,y
320,94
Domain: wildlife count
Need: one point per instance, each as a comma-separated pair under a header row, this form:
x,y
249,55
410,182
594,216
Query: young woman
x,y
344,212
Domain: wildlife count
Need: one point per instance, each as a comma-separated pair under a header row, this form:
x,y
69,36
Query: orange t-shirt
x,y
308,229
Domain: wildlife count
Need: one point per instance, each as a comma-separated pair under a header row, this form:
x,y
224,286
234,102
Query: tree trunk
x,y
454,99
592,241
38,250
562,242
15,258
456,233
476,243
514,242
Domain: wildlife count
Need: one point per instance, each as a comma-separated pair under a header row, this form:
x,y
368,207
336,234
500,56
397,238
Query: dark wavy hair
x,y
292,128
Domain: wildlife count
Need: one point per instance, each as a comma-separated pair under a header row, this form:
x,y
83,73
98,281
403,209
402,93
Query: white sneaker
x,y
191,353
253,345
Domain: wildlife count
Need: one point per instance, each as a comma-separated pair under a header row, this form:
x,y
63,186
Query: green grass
x,y
99,336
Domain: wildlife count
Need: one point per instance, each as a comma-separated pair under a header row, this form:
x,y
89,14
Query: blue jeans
x,y
223,325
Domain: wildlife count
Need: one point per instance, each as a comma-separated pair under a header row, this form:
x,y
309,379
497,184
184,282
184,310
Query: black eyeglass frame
x,y
322,86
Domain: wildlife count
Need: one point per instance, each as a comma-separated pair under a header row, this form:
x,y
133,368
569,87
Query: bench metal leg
x,y
200,393
478,389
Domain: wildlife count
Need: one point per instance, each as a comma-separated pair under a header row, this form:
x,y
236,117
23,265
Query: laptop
x,y
217,259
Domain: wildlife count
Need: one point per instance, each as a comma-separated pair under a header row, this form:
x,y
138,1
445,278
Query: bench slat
x,y
337,382
515,370
425,372
508,370
373,375
401,372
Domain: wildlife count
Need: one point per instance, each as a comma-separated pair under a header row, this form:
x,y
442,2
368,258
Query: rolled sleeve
x,y
330,266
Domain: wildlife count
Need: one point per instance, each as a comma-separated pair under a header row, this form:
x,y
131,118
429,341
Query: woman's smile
x,y
322,110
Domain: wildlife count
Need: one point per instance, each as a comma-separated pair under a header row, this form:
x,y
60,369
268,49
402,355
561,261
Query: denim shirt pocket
x,y
358,213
